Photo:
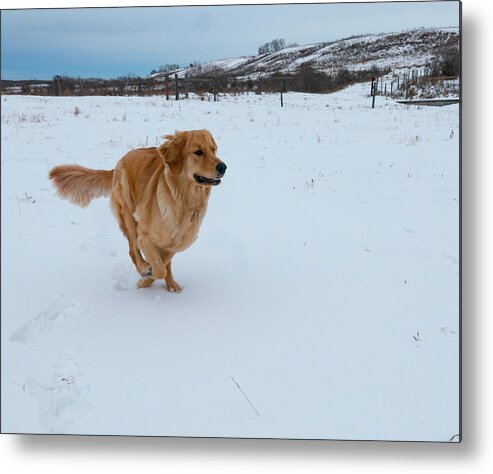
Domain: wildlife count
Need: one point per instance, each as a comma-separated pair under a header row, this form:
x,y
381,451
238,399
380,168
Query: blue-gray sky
x,y
111,42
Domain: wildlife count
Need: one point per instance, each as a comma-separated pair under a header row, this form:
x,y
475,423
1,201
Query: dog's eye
x,y
199,152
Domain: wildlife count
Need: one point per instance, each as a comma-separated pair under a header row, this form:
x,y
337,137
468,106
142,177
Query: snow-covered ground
x,y
321,297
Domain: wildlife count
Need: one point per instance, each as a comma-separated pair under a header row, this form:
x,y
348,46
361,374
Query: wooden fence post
x,y
81,85
177,89
58,86
391,88
374,93
166,79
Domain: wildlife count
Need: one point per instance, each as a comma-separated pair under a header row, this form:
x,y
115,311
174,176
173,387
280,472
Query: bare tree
x,y
272,47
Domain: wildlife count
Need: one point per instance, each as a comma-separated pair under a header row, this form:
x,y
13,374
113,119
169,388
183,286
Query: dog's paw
x,y
173,287
144,282
146,271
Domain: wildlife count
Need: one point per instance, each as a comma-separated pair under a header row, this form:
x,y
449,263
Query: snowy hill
x,y
406,49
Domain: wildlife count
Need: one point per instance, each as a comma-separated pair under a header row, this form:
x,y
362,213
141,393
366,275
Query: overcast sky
x,y
111,42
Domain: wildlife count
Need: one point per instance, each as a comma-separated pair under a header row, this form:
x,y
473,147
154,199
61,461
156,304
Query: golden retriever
x,y
159,196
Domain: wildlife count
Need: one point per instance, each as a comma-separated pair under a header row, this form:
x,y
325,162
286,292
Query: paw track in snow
x,y
42,325
61,401
453,259
98,245
125,278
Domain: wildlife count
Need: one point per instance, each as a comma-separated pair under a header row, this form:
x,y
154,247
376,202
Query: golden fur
x,y
159,196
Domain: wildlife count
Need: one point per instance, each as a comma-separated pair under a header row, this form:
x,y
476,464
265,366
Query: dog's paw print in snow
x,y
62,400
125,278
447,331
453,259
98,244
42,325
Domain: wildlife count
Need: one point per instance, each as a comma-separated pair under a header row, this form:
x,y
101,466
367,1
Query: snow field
x,y
324,280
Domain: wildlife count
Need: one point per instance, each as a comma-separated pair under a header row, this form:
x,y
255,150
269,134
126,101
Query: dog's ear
x,y
172,151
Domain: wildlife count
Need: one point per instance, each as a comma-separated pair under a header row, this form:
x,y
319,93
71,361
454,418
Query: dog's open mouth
x,y
204,180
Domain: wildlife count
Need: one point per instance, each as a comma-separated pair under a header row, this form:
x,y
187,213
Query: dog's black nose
x,y
221,168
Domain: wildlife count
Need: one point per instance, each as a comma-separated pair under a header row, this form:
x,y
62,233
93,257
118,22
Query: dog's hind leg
x,y
142,266
123,211
145,282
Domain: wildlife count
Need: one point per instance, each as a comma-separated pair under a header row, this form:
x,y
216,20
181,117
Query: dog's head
x,y
192,155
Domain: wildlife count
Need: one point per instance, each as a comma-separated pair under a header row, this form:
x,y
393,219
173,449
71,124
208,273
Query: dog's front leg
x,y
153,256
171,284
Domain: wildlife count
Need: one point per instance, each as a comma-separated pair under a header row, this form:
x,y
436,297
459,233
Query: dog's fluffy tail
x,y
81,185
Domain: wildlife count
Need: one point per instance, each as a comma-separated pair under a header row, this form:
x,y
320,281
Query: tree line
x,y
274,46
